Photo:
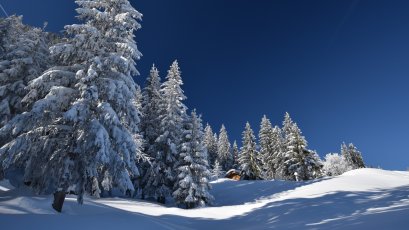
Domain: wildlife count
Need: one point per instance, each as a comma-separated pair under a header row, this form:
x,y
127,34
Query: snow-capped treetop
x,y
265,140
248,159
151,99
352,156
24,56
210,141
297,158
161,178
223,149
192,186
85,113
287,124
235,153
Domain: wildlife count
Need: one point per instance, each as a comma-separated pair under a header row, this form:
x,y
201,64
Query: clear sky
x,y
340,68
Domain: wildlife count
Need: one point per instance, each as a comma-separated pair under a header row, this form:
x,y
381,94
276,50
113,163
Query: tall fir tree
x,y
217,170
23,58
249,159
210,141
162,176
192,185
83,126
224,154
299,162
150,122
352,156
266,147
235,153
276,159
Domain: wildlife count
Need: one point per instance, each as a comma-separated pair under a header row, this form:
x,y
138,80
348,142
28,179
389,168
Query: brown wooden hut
x,y
233,174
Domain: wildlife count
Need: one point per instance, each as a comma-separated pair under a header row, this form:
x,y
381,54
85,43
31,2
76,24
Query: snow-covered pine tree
x,y
150,122
235,152
352,156
162,176
210,141
24,57
265,136
224,154
192,185
299,162
277,159
84,120
217,170
248,159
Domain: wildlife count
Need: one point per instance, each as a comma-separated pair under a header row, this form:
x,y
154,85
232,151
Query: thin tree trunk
x,y
59,198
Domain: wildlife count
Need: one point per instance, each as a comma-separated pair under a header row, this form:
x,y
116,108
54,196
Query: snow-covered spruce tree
x,y
210,141
248,159
265,136
277,159
24,57
217,170
224,154
150,122
300,163
192,185
84,121
352,156
235,153
162,175
335,165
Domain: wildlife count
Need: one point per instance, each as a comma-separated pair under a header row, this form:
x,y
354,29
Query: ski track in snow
x,y
359,199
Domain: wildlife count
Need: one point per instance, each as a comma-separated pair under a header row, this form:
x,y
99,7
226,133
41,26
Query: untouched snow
x,y
359,199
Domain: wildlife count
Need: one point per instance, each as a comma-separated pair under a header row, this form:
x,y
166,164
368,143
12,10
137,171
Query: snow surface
x,y
358,199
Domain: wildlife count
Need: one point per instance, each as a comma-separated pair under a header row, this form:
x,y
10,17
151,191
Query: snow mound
x,y
359,199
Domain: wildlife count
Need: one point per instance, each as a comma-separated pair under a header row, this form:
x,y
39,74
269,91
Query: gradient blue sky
x,y
341,68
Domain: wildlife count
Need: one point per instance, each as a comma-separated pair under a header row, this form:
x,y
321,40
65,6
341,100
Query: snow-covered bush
x,y
335,164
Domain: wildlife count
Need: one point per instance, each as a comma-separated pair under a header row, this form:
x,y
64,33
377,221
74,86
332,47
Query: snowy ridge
x,y
359,199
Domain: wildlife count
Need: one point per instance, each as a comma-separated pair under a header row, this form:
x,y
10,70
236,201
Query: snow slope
x,y
359,199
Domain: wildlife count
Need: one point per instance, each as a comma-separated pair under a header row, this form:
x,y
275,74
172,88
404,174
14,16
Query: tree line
x,y
72,119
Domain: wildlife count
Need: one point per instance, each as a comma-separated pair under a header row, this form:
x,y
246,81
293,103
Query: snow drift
x,y
359,199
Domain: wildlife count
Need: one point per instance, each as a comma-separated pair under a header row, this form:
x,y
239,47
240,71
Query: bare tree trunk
x,y
58,202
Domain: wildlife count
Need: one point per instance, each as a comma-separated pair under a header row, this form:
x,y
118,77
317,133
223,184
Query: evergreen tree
x,y
162,175
210,141
150,122
248,159
299,162
217,170
24,57
192,186
235,153
273,160
266,147
352,156
84,121
225,156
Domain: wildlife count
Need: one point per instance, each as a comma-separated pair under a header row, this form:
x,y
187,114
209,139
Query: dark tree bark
x,y
59,198
161,199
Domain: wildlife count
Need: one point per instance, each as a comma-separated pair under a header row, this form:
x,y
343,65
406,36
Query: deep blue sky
x,y
341,68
